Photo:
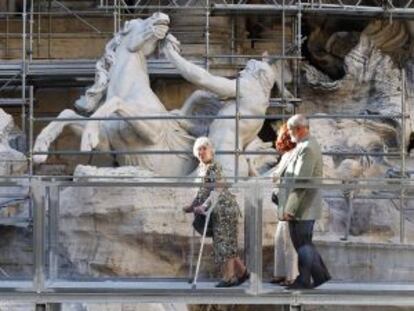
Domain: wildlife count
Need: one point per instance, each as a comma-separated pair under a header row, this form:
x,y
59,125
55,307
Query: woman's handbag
x,y
199,223
275,198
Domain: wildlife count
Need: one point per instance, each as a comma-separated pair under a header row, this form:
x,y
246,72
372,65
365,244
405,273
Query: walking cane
x,y
191,268
194,284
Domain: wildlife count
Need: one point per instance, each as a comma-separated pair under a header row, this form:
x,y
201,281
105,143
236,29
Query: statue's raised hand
x,y
171,43
160,31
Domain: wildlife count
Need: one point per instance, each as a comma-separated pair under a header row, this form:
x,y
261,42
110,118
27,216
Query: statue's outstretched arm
x,y
223,87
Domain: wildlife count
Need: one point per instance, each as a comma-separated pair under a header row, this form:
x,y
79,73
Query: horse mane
x,y
95,95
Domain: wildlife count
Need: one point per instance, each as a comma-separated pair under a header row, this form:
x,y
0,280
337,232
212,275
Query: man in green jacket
x,y
303,205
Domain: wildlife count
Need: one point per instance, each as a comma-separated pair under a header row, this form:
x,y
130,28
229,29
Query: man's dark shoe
x,y
323,281
297,286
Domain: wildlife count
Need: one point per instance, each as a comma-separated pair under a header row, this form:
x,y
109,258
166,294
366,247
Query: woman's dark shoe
x,y
286,283
229,283
188,209
278,280
243,278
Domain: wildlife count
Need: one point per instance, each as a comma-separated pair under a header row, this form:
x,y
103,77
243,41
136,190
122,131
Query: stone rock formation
x,y
372,86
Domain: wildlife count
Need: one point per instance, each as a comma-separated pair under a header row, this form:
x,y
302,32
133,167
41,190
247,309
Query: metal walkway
x,y
332,293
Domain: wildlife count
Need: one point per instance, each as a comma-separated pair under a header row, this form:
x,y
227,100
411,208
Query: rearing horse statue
x,y
122,89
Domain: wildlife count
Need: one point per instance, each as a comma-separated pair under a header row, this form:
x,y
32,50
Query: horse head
x,y
142,35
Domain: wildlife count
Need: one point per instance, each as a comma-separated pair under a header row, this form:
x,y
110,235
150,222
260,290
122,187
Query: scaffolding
x,y
29,70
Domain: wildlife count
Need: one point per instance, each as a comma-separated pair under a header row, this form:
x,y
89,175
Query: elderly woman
x,y
286,258
224,216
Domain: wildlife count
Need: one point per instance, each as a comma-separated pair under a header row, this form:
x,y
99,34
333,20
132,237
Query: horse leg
x,y
49,134
148,130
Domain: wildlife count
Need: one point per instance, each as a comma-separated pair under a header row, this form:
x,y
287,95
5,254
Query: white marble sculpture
x,y
122,89
12,162
255,83
126,92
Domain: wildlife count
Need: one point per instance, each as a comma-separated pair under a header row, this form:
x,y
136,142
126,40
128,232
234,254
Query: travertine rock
x,y
371,86
126,231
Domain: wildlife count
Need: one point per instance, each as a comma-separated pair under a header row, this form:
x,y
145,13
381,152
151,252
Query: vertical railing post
x,y
53,235
258,227
39,237
253,232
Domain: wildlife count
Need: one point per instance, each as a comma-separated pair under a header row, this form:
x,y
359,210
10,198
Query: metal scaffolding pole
x,y
237,131
282,91
31,25
119,19
50,30
306,8
299,49
115,18
207,35
30,140
403,157
229,117
24,67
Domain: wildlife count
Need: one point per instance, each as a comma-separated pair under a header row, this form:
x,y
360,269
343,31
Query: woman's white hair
x,y
298,120
202,142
